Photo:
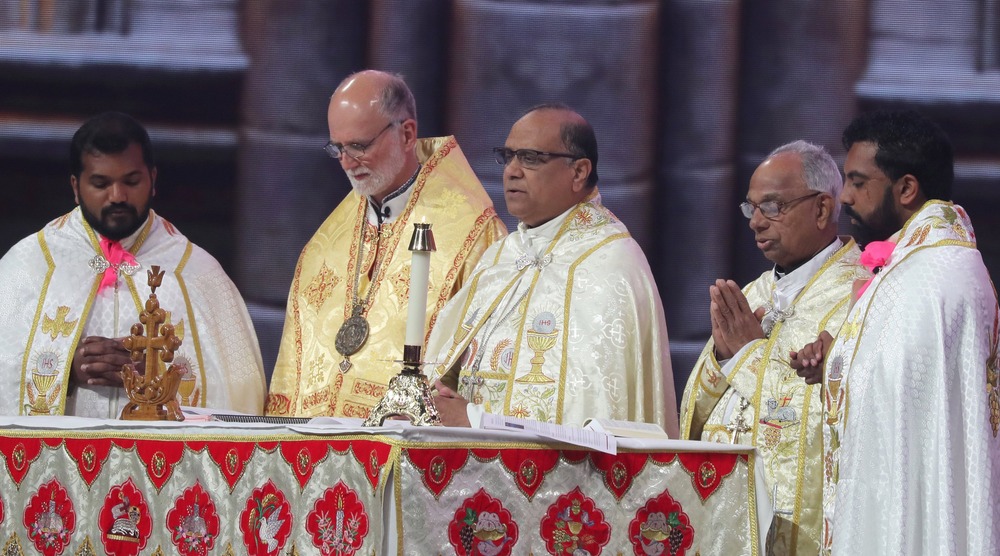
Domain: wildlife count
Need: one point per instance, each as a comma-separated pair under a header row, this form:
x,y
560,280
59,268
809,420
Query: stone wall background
x,y
686,97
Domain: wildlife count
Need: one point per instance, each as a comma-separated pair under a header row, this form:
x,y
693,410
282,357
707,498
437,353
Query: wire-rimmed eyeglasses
x,y
529,158
353,150
771,209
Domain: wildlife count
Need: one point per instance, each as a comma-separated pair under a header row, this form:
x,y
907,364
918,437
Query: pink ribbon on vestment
x,y
115,254
874,257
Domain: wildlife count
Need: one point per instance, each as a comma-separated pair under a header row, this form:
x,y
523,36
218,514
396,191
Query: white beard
x,y
378,178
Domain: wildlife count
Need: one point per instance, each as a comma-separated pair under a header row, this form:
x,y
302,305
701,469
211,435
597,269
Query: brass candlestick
x,y
152,395
408,394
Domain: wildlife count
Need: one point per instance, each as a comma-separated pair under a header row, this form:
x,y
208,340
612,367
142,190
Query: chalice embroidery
x,y
188,388
43,398
541,337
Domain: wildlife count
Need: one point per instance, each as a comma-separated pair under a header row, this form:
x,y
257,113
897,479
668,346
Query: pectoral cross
x,y
739,424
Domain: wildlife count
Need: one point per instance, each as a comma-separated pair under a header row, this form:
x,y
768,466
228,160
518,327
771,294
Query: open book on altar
x,y
625,429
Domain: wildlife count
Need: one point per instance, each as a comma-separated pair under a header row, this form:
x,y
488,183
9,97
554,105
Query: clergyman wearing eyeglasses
x,y
742,389
561,320
346,315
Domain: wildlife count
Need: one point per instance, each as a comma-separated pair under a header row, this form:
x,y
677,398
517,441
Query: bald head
x,y
373,112
576,133
561,173
372,91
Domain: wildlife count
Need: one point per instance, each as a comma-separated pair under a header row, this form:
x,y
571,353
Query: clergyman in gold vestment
x,y
346,313
743,389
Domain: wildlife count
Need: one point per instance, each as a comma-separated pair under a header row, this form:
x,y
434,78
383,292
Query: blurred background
x,y
686,97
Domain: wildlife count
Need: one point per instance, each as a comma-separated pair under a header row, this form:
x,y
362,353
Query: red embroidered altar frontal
x,y
218,488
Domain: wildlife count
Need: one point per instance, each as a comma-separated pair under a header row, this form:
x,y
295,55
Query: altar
x,y
83,486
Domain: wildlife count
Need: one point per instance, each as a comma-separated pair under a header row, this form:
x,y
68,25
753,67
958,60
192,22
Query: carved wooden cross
x,y
152,395
156,339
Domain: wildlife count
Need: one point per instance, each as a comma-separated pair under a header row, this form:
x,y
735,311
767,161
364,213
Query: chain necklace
x,y
354,332
473,378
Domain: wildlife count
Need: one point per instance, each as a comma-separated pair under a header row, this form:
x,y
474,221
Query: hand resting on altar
x,y
451,407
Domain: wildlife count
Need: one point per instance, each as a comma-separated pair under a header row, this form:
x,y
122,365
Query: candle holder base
x,y
408,395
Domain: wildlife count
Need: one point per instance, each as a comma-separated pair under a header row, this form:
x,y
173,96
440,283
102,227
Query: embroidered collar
x,y
532,242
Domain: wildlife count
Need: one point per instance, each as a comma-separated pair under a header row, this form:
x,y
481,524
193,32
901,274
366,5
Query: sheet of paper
x,y
627,429
594,440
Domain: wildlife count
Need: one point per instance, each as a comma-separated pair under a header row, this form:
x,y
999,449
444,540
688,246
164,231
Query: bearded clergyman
x,y
345,320
71,292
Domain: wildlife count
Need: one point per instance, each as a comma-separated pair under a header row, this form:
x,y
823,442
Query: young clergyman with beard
x,y
910,385
71,292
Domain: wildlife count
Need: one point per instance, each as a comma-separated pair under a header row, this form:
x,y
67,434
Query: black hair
x,y
907,143
577,136
109,133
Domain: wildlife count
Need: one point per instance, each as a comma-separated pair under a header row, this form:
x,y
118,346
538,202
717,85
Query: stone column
x,y
597,57
299,52
411,38
699,44
800,63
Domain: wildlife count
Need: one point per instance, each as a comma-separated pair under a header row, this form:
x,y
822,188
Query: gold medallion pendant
x,y
352,335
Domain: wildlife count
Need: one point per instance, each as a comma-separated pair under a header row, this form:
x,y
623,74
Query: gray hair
x,y
819,169
396,102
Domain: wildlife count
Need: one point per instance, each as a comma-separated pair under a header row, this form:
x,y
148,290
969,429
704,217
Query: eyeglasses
x,y
353,150
771,209
527,157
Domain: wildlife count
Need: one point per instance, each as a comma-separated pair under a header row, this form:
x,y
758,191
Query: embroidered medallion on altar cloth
x,y
265,490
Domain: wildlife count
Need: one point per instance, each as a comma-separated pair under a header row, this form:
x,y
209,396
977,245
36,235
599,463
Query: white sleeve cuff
x,y
728,366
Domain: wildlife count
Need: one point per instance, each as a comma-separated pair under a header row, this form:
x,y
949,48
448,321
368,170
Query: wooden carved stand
x,y
152,395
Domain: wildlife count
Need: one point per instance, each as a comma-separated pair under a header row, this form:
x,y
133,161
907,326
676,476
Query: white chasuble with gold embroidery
x,y
50,298
756,397
350,263
560,323
912,452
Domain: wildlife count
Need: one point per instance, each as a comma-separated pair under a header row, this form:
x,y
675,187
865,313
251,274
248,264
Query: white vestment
x,y
756,397
559,323
50,299
912,453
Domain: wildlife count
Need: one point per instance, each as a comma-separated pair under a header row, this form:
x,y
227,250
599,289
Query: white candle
x,y
420,268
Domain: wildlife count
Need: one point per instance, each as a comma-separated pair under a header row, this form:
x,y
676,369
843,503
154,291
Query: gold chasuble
x,y
756,398
312,377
